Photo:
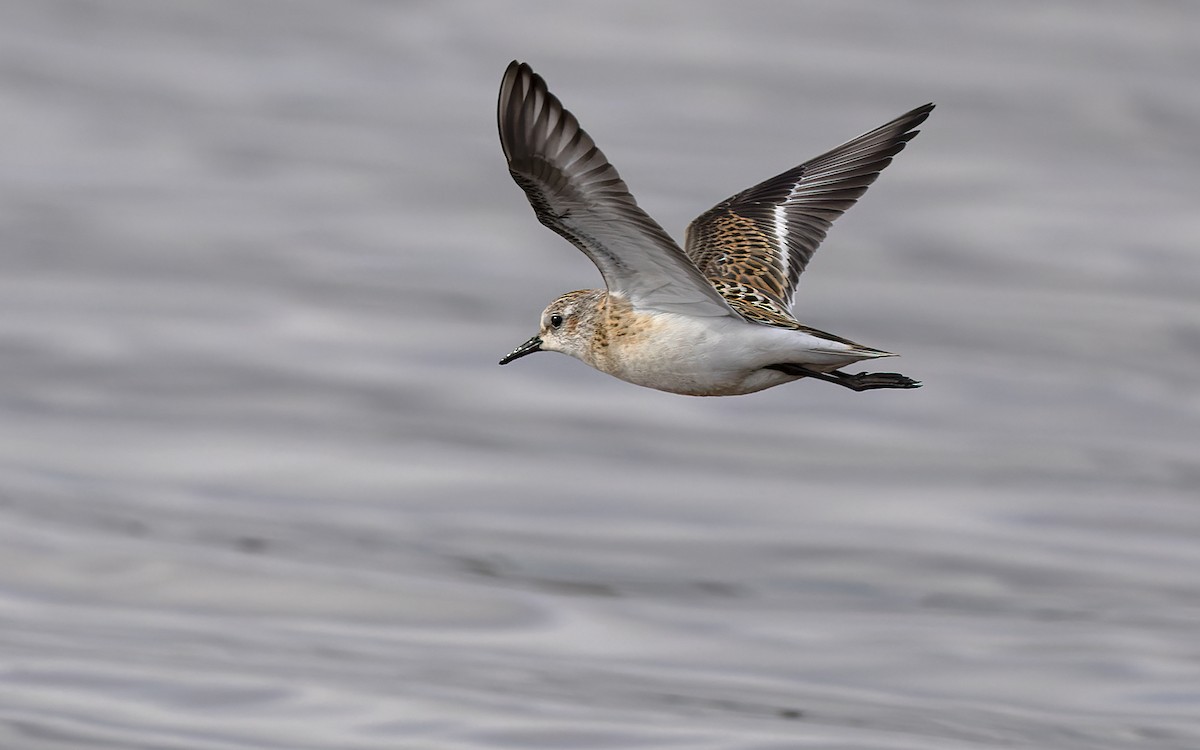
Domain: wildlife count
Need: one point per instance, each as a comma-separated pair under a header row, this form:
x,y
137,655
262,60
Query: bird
x,y
713,318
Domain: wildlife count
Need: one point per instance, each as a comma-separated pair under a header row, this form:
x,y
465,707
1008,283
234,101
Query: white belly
x,y
715,356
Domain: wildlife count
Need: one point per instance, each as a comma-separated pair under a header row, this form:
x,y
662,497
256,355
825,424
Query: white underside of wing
x,y
671,290
576,192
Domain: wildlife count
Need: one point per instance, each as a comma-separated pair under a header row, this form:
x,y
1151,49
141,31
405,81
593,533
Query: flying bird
x,y
713,318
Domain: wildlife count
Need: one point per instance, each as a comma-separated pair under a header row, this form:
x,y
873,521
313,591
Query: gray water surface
x,y
263,486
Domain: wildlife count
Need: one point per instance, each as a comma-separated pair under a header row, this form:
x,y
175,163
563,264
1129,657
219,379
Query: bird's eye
x,y
555,320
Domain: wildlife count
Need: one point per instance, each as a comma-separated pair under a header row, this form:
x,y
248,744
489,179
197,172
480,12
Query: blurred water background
x,y
262,484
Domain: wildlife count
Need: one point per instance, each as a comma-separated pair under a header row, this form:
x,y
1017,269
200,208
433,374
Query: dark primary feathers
x,y
743,257
577,193
763,237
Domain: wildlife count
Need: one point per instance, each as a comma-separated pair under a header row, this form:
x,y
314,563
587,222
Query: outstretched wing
x,y
763,237
577,193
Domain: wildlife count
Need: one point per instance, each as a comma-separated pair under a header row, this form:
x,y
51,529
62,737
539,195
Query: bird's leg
x,y
859,381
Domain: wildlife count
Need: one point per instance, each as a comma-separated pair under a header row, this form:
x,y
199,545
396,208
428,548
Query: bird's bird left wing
x,y
577,193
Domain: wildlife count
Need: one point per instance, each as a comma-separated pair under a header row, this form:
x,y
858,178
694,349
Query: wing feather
x,y
764,236
575,191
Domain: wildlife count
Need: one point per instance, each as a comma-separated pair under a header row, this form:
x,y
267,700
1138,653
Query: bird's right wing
x,y
763,237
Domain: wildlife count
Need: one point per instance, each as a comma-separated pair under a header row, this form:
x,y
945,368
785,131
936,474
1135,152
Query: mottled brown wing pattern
x,y
736,248
765,236
753,304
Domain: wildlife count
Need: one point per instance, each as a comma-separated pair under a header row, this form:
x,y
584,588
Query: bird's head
x,y
568,326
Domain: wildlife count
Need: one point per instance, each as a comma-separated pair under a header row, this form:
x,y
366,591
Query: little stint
x,y
713,318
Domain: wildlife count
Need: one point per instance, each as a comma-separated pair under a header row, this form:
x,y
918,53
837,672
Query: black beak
x,y
529,347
